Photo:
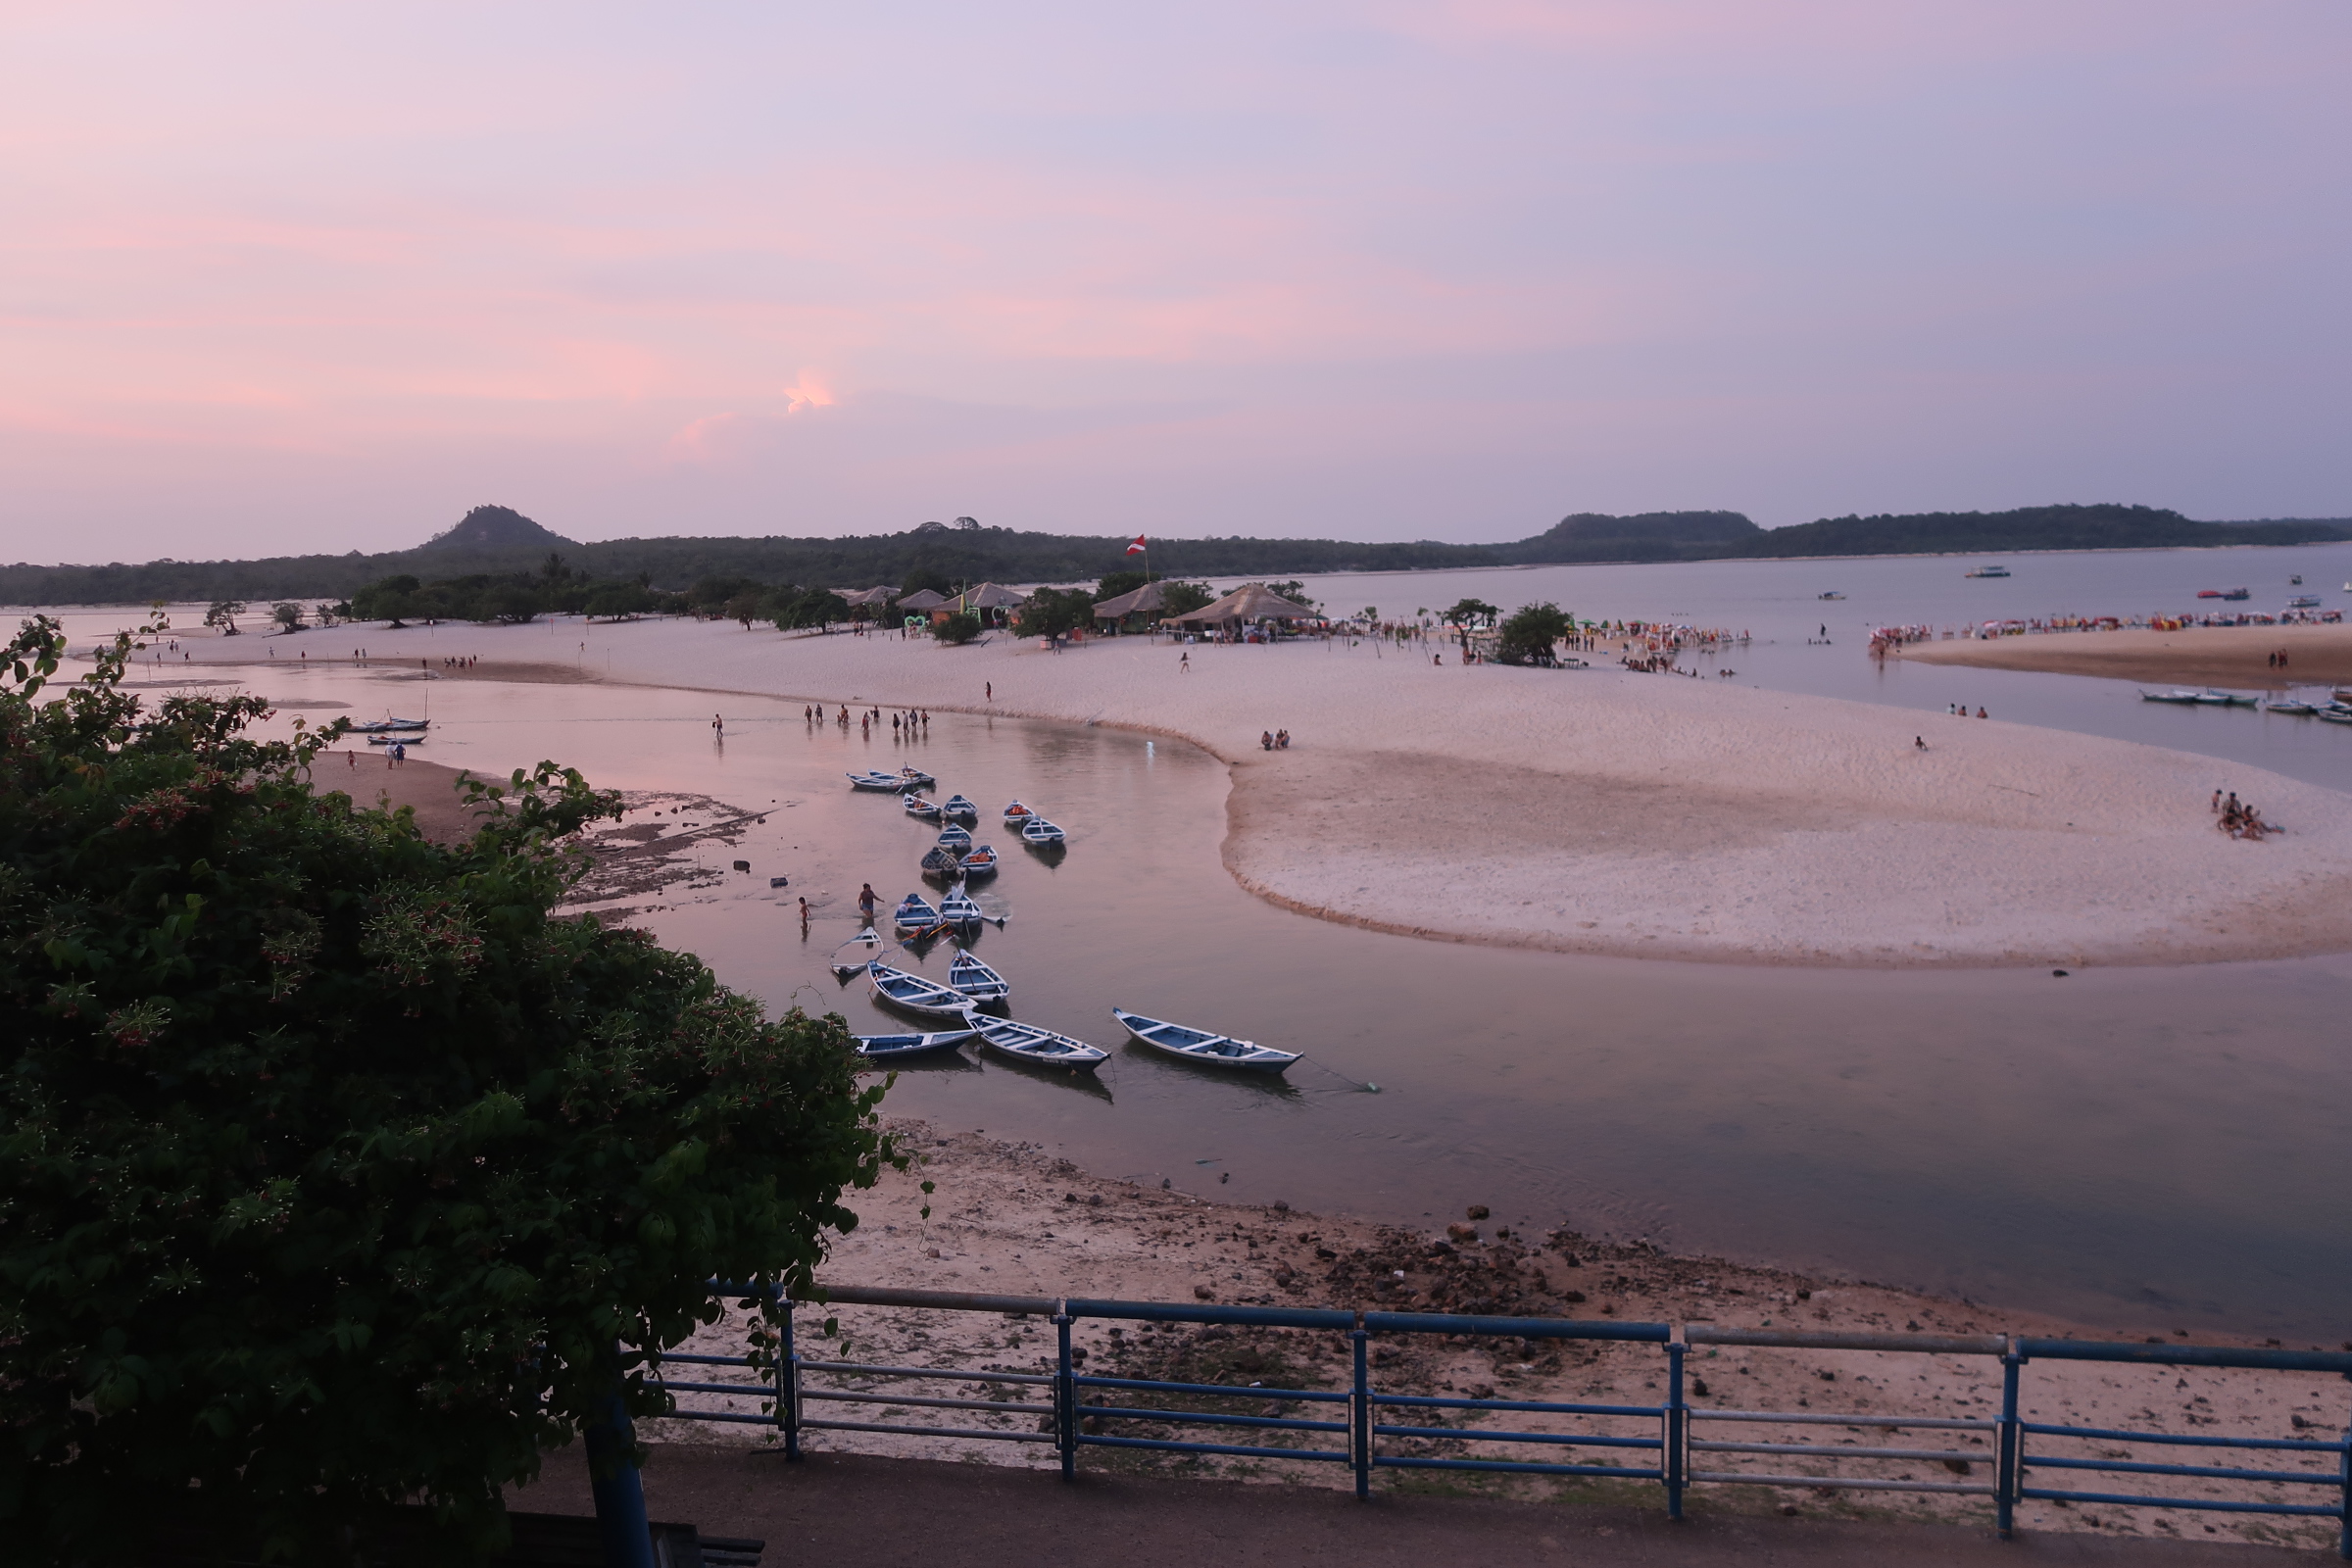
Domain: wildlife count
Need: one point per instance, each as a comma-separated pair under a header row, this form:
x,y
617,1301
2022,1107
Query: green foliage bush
x,y
1055,613
1528,635
332,1163
956,630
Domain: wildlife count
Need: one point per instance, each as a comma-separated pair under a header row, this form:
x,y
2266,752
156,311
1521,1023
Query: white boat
x,y
1016,814
844,963
1037,831
972,978
916,806
2304,602
377,726
2175,696
2288,705
1026,1042
954,839
2214,699
958,908
912,993
915,913
959,809
2335,715
891,1047
981,862
877,781
1198,1045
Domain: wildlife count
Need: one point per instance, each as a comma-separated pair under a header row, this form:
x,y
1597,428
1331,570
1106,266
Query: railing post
x,y
1065,1399
2009,1453
1677,1423
788,1381
612,1478
1361,1406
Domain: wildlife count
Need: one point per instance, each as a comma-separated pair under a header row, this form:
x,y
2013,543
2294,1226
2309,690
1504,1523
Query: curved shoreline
x,y
2203,656
1601,812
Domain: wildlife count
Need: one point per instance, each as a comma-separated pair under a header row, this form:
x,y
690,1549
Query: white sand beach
x,y
1591,811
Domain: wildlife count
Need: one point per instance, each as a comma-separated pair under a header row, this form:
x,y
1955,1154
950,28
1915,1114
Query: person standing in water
x,y
866,901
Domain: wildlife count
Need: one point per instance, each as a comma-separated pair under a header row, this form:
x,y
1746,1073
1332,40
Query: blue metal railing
x,y
1346,1426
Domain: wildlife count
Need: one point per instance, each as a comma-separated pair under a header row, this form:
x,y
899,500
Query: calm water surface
x,y
2137,1146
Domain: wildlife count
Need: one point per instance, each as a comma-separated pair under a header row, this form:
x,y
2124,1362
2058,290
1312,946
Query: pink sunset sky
x,y
303,277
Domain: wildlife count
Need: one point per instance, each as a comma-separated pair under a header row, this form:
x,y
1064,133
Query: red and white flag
x,y
1137,548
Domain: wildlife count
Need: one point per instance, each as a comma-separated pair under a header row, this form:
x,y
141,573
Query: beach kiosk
x,y
1132,611
1252,610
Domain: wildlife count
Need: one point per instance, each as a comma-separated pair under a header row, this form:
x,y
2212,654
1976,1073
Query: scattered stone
x,y
1460,1232
1478,1211
1203,1291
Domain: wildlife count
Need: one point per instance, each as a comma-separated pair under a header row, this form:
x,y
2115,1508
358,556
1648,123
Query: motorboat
x,y
2209,593
1200,1045
1038,833
1990,571
982,862
969,976
954,839
916,806
959,809
1829,596
912,993
2238,593
2304,602
915,913
1027,1041
958,909
2296,582
1016,814
878,782
892,1048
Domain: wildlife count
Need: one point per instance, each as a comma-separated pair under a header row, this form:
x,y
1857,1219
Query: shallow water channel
x,y
2144,1149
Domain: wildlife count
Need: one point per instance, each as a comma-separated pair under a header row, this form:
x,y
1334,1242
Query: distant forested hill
x,y
499,542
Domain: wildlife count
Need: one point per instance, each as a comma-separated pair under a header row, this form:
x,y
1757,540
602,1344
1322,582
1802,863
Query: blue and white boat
x,y
981,862
1027,1041
916,806
958,909
1200,1045
959,809
1039,832
915,913
912,993
877,782
891,1047
954,839
941,866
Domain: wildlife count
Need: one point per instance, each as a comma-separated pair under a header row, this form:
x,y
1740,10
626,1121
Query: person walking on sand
x,y
991,688
718,727
1918,742
1184,661
865,903
2217,803
803,919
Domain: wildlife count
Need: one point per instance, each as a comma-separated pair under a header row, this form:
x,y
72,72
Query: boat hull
x,y
1034,1046
1160,1035
896,1047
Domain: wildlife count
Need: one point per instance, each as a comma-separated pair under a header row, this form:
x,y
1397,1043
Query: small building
x,y
922,602
1253,604
992,602
865,603
1134,611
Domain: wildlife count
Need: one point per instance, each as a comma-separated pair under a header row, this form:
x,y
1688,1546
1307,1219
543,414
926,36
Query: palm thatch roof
x,y
1252,600
1141,601
922,598
853,596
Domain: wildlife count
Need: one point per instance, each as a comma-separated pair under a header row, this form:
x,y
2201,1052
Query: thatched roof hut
x,y
1251,603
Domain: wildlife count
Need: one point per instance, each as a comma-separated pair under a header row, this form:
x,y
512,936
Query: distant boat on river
x,y
1990,571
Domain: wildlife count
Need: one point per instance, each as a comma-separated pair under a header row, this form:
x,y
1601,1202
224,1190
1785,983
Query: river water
x,y
2140,1149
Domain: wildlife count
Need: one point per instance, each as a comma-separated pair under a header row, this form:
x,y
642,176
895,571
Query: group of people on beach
x,y
1960,711
1275,740
2240,820
912,721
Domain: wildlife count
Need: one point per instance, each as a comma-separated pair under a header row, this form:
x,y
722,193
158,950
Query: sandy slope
x,y
1603,812
2204,655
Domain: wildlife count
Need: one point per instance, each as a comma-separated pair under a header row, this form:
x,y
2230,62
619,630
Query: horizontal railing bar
x,y
1793,1339
917,1401
1515,1466
1171,1445
1286,1317
1573,1440
1039,1378
2127,1467
927,1431
719,1416
2127,1499
1978,1489
2180,1440
1524,1328
935,1300
1208,1418
1822,1419
1320,1396
1830,1452
2340,1361
1433,1401
668,1387
702,1360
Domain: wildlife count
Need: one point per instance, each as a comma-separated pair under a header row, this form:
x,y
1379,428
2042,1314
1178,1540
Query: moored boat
x,y
1831,595
982,862
378,726
959,809
2238,593
891,1047
1042,833
954,839
2176,696
1016,814
2304,602
916,806
1027,1041
912,993
1198,1045
942,866
915,913
2288,705
397,738
958,908
970,977
914,777
2334,714
1990,571
877,781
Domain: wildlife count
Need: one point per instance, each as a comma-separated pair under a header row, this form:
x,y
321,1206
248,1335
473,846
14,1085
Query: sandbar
x,y
2200,655
1604,811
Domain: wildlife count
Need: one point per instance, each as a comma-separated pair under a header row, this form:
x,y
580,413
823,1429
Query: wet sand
x,y
1607,812
2203,656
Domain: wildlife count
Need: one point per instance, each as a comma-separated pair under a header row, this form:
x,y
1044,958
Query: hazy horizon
x,y
279,280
